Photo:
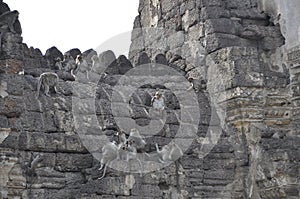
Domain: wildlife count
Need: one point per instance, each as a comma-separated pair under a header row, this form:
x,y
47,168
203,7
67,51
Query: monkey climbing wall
x,y
246,143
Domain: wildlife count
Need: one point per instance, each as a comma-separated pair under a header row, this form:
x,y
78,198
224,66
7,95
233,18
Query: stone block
x,y
33,121
65,121
11,66
190,18
9,138
74,144
107,186
217,41
11,106
222,25
167,6
14,84
211,3
3,121
213,13
176,40
251,13
50,122
73,162
236,4
146,190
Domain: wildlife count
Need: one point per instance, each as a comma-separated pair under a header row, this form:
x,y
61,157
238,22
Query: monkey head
x,y
157,95
79,57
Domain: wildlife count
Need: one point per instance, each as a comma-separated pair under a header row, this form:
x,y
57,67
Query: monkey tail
x,y
156,146
39,87
177,175
104,172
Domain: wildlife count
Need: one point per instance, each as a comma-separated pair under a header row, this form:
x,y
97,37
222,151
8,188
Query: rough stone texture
x,y
247,143
241,52
52,54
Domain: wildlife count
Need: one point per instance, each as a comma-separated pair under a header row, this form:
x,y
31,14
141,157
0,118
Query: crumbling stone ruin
x,y
243,58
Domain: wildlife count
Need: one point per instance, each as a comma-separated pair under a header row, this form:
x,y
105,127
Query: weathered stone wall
x,y
240,49
247,143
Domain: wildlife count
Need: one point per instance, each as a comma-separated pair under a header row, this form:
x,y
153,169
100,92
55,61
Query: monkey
x,y
132,154
122,151
158,102
137,139
95,61
82,65
193,84
122,137
58,63
97,67
196,84
171,152
80,61
69,64
109,153
47,80
8,19
175,152
163,154
96,64
123,145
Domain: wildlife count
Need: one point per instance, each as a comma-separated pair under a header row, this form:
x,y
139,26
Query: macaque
x,y
171,152
137,139
58,63
122,137
109,153
97,67
158,102
47,80
82,65
132,154
69,64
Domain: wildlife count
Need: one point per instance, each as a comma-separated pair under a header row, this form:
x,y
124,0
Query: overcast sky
x,y
69,24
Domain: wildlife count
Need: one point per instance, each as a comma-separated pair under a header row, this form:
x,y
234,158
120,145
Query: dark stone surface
x,y
74,52
51,54
143,58
3,7
124,65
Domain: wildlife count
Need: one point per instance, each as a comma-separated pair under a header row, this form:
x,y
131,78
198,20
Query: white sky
x,y
69,24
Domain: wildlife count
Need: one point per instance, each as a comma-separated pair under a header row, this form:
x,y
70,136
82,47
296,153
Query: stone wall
x,y
246,143
237,46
